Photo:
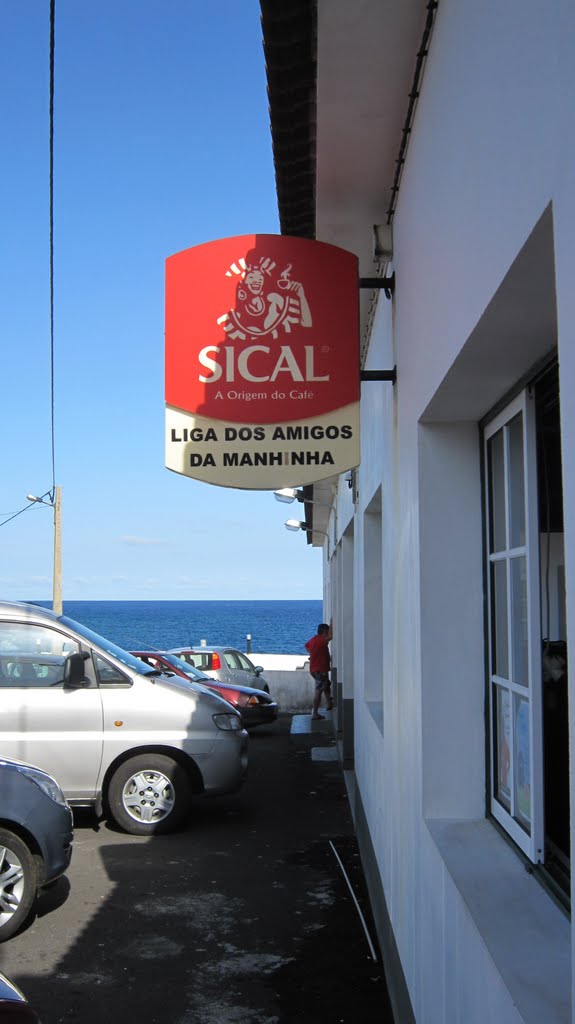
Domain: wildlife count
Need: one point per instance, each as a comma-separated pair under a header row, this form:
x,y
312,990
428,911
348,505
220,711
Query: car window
x,y
202,660
172,663
198,675
231,659
108,673
148,660
32,655
244,662
187,657
94,639
175,663
184,661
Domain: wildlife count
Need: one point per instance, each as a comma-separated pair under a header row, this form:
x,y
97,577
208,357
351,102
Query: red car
x,y
255,706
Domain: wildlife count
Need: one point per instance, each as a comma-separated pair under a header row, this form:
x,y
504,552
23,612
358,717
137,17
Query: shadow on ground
x,y
243,917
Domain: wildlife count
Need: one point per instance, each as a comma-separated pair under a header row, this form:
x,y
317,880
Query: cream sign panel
x,y
262,365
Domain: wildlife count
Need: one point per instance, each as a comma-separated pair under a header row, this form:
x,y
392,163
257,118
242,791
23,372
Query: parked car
x,y
36,834
255,706
116,734
224,663
14,1007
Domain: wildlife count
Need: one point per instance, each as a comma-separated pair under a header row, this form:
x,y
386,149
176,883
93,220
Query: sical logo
x,y
265,301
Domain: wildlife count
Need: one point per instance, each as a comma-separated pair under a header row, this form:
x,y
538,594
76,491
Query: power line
x,y
51,241
20,511
52,493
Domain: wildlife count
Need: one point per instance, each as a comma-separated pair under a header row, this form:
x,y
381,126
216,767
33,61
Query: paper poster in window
x,y
522,763
504,738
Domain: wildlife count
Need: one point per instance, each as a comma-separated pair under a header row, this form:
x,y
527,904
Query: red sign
x,y
262,362
262,329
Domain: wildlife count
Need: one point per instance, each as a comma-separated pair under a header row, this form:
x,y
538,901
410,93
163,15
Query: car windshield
x,y
183,666
106,645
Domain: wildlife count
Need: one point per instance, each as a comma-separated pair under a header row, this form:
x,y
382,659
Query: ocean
x,y
275,627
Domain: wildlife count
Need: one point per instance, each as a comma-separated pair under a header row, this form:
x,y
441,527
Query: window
x,y
108,673
526,625
243,663
373,608
230,659
32,656
201,661
514,632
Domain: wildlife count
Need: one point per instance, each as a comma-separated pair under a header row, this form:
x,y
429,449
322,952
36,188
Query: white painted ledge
x,y
526,934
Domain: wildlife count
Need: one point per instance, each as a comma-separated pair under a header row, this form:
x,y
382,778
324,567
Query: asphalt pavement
x,y
254,913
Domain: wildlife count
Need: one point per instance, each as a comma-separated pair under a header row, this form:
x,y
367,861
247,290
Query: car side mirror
x,y
74,673
258,669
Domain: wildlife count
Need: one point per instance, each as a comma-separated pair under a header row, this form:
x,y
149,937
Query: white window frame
x,y
532,844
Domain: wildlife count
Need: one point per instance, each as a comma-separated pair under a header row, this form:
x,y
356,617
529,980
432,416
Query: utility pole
x,y
55,503
57,592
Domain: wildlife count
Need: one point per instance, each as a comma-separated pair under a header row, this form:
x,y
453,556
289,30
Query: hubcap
x,y
148,796
11,884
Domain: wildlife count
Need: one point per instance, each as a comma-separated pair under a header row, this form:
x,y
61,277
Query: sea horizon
x,y
275,626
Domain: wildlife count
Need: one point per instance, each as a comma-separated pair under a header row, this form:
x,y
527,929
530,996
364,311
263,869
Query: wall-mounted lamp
x,y
288,494
296,524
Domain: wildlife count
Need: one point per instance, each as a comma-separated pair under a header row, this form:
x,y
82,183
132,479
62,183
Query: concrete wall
x,y
288,679
484,254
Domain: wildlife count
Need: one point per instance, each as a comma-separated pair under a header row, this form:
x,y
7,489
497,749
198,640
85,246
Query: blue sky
x,y
162,141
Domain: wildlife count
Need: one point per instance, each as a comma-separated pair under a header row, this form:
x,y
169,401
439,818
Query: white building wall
x,y
492,147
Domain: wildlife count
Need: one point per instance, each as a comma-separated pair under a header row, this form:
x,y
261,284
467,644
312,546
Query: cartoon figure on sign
x,y
265,301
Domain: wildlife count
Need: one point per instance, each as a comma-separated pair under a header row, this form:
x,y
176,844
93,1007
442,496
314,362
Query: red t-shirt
x,y
319,656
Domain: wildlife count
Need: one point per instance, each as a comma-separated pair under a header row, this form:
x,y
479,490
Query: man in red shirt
x,y
319,666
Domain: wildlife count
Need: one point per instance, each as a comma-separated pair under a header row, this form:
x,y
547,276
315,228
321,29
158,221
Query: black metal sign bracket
x,y
387,283
379,375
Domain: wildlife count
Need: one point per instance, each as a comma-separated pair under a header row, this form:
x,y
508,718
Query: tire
x,y
149,794
18,883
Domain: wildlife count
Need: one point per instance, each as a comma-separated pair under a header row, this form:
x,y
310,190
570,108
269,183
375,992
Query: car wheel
x,y
18,883
149,794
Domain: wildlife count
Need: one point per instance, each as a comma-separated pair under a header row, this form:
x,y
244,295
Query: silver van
x,y
115,733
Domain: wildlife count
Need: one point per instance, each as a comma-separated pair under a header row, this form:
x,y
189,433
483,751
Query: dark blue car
x,y
14,1007
36,834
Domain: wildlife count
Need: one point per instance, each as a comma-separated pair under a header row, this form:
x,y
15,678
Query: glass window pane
x,y
522,764
519,620
516,483
108,673
25,638
32,656
500,651
496,473
502,747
